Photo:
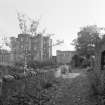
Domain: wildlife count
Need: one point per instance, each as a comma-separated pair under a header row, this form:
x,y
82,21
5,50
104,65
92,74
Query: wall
x,y
5,57
37,47
64,56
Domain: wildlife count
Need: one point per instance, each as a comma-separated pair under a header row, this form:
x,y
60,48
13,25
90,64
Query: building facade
x,y
26,47
47,48
64,57
5,57
100,57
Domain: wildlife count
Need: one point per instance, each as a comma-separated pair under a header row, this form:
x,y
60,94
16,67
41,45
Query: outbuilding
x,y
100,57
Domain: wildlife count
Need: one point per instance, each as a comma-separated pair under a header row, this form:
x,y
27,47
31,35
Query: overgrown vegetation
x,y
44,64
40,89
97,82
87,39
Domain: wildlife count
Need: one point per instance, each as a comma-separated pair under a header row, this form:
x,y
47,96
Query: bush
x,y
19,64
44,64
76,61
40,88
97,82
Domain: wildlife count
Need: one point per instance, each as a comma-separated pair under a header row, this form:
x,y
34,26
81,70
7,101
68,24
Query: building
x,y
26,47
47,48
5,57
19,47
54,59
64,57
100,57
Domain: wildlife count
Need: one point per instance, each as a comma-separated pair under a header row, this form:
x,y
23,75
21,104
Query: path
x,y
78,91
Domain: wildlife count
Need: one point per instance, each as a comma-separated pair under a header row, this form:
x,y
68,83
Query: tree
x,y
26,24
87,39
22,22
34,26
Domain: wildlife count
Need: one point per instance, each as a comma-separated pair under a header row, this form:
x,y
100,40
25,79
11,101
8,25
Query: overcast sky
x,y
61,17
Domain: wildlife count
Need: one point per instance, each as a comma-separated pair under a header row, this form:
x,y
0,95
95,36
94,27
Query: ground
x,y
69,89
76,89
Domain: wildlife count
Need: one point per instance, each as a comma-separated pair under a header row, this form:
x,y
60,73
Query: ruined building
x,y
64,57
25,46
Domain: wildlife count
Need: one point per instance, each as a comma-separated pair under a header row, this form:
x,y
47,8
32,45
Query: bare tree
x,y
27,24
33,26
22,22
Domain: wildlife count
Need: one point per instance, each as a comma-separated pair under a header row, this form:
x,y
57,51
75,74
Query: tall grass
x,y
97,83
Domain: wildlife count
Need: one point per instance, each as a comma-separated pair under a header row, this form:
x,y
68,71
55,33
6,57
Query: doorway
x,y
103,60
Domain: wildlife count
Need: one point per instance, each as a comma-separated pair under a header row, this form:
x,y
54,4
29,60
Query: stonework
x,y
37,48
5,57
98,54
65,56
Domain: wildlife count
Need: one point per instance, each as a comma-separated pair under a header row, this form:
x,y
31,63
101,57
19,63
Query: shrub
x,y
44,64
97,82
40,89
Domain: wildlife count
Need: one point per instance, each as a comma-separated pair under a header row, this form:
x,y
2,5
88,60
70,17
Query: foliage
x,y
26,24
97,81
40,89
45,89
45,64
86,63
76,61
11,69
87,39
33,27
19,64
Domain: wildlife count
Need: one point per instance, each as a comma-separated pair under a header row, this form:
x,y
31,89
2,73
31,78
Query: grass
x,y
97,85
59,91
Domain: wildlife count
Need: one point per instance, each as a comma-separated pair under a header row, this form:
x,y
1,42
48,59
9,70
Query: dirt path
x,y
76,91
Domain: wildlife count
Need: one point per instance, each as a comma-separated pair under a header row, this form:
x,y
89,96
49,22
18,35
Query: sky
x,y
64,18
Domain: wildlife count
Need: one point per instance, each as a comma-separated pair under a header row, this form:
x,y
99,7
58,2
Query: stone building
x,y
5,57
19,47
25,46
26,86
100,57
47,48
64,57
